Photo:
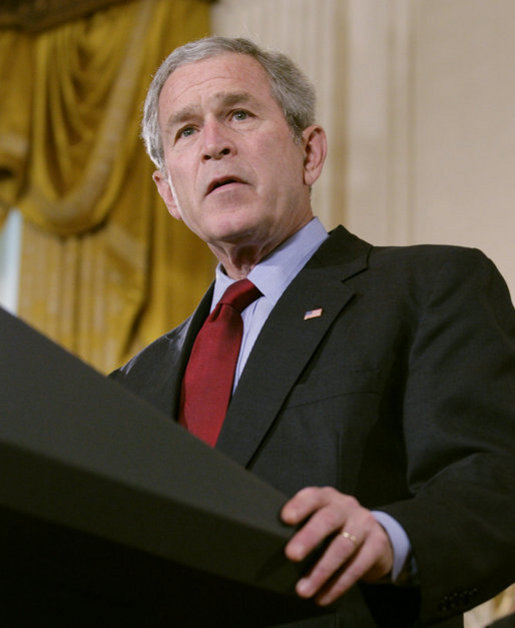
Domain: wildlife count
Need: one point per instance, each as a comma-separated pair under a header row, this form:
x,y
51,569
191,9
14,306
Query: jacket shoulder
x,y
156,351
148,374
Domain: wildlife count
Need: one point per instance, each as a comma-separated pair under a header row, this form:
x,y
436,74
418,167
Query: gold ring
x,y
350,537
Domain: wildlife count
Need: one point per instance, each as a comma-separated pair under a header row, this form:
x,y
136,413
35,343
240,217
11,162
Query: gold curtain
x,y
104,268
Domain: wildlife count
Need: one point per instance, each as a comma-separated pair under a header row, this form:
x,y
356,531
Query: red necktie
x,y
208,380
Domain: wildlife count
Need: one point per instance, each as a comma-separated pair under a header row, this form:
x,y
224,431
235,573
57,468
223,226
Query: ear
x,y
164,188
315,148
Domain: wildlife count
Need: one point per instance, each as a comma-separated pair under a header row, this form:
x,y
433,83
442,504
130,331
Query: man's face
x,y
234,172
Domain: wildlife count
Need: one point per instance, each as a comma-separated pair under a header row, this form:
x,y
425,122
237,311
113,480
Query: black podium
x,y
111,514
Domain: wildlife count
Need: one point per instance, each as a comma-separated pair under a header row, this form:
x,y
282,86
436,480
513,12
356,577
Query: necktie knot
x,y
240,294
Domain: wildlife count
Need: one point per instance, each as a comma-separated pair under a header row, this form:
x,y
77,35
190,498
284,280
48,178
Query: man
x,y
372,385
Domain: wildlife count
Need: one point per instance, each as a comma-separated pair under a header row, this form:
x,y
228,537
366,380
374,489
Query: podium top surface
x,y
83,454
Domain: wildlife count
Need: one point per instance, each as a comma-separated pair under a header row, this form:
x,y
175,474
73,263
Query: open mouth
x,y
219,183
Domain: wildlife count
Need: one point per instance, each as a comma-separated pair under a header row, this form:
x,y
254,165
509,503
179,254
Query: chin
x,y
236,230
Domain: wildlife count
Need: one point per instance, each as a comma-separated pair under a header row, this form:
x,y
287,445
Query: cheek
x,y
182,185
285,162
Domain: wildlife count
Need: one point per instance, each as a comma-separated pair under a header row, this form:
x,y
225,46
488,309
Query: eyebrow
x,y
225,99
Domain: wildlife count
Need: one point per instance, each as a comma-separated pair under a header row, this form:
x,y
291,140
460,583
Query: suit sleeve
x,y
459,430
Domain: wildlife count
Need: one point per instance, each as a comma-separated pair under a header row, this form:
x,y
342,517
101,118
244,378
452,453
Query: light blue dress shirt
x,y
272,276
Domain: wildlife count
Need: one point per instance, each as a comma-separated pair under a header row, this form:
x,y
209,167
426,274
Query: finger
x,y
338,553
329,510
324,523
374,556
304,503
343,579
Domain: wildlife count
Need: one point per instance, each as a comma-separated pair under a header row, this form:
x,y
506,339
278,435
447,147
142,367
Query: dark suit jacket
x,y
401,394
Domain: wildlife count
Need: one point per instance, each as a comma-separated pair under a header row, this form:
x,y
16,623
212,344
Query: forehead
x,y
194,83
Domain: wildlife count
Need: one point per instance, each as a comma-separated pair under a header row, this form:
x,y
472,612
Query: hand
x,y
358,547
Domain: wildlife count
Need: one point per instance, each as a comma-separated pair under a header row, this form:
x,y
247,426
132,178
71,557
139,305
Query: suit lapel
x,y
288,341
182,345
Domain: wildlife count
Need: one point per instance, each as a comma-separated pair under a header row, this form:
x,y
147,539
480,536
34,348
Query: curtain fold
x,y
104,268
86,85
16,55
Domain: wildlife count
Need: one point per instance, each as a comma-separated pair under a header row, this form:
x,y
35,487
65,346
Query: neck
x,y
238,261
239,258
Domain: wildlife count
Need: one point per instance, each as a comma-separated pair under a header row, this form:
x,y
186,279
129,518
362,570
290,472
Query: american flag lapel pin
x,y
317,313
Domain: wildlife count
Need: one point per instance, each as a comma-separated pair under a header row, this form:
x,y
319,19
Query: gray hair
x,y
290,88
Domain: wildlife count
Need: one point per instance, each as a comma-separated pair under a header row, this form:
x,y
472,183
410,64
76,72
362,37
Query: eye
x,y
241,114
186,131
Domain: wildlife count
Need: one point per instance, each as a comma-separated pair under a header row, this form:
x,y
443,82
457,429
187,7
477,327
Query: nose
x,y
217,141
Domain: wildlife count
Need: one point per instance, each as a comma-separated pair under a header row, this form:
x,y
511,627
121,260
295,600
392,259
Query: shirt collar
x,y
273,274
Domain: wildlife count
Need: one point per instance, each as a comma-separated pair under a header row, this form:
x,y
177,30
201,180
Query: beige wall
x,y
418,98
464,126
